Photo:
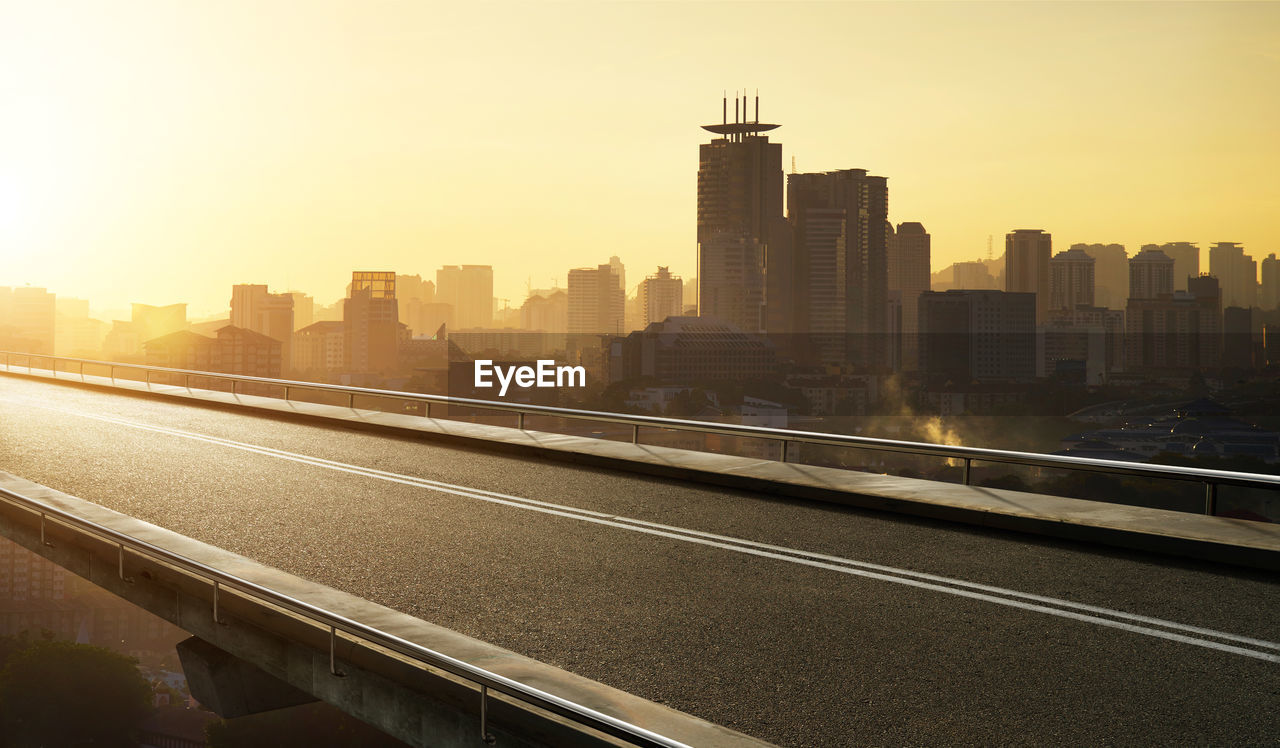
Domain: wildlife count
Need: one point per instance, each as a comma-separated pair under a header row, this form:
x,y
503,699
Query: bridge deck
x,y
800,623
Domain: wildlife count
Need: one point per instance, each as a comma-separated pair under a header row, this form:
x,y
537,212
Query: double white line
x,y
1138,624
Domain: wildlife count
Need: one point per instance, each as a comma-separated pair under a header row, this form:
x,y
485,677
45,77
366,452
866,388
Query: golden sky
x,y
162,151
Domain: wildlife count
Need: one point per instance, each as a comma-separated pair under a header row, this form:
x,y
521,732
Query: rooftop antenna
x,y
724,108
989,257
757,119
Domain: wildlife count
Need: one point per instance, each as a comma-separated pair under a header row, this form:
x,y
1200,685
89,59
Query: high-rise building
x,y
1178,331
1269,288
661,296
1110,273
546,311
1150,275
1093,335
909,265
1186,261
973,276
596,301
693,351
1071,280
469,290
981,336
742,235
77,334
1236,272
271,314
318,349
841,251
1026,266
28,318
372,323
304,306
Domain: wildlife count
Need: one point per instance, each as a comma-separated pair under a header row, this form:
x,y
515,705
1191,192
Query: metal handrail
x,y
335,622
1209,477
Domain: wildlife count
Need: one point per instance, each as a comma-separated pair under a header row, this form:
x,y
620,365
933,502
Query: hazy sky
x,y
162,151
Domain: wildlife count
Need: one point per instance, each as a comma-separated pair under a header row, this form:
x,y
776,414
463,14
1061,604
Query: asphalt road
x,y
803,624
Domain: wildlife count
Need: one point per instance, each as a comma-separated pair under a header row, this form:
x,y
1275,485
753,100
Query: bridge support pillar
x,y
232,687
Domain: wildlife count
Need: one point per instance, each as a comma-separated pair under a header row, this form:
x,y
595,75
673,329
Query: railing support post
x,y
333,653
635,433
352,401
216,619
428,413
1211,498
120,559
485,737
520,420
964,479
81,371
783,456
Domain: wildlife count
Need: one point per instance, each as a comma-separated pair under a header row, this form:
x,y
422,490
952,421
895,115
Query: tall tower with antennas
x,y
741,228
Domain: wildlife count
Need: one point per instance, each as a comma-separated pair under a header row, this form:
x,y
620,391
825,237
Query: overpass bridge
x,y
640,593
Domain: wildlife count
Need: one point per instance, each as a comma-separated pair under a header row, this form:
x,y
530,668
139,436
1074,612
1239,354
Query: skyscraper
x,y
1186,261
661,296
1150,274
469,290
842,263
1071,280
596,301
909,265
1269,288
741,231
1110,273
1236,272
371,323
977,336
1026,266
271,314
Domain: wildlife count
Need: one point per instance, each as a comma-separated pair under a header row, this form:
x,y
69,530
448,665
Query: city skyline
x,y
329,141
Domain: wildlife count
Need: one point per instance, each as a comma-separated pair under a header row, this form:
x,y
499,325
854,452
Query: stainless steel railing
x,y
485,680
966,456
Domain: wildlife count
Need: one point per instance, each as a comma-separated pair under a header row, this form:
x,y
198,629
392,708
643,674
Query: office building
x,y
595,301
1269,288
546,311
1071,280
977,336
740,223
1150,275
469,290
1110,273
692,350
841,265
1186,261
661,296
319,349
271,314
909,266
972,276
1092,335
1175,332
371,319
1237,273
28,318
1026,266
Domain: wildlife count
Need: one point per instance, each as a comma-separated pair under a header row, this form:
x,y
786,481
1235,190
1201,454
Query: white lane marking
x,y
834,563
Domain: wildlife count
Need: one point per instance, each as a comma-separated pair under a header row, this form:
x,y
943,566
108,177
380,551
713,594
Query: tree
x,y
61,693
